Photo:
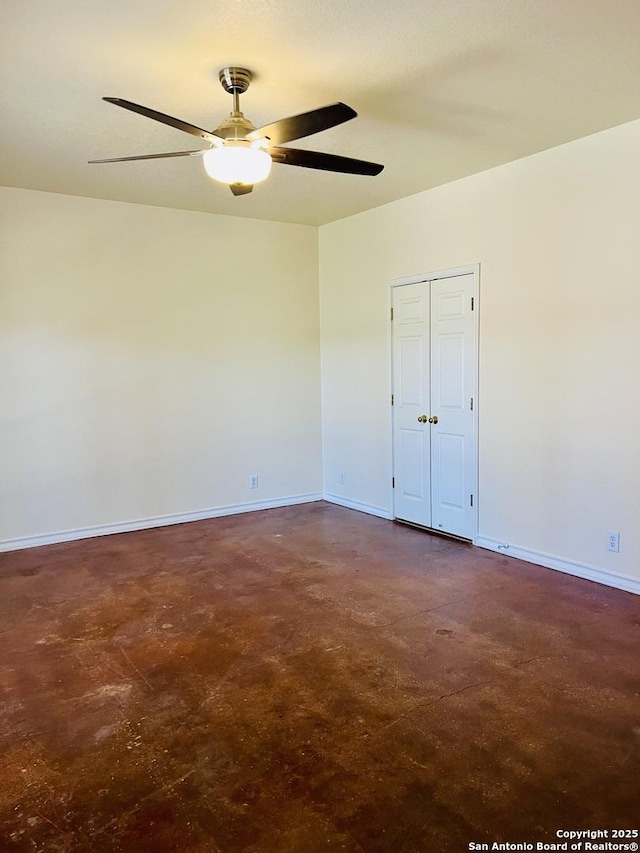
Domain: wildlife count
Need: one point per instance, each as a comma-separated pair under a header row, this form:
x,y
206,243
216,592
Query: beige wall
x,y
558,239
152,359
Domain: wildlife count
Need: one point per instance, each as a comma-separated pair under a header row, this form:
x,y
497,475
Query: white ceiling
x,y
443,88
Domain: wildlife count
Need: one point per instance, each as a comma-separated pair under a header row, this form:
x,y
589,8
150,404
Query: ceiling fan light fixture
x,y
237,163
241,154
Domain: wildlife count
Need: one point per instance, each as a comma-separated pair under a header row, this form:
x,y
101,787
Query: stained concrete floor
x,y
309,679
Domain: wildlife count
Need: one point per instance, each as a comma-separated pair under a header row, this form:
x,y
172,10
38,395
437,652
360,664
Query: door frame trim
x,y
470,269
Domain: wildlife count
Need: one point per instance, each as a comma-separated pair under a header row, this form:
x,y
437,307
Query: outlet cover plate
x,y
613,541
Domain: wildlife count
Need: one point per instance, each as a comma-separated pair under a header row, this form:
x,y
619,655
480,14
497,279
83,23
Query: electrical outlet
x,y
613,541
343,478
253,481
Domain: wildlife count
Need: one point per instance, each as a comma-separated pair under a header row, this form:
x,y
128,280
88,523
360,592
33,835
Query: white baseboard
x,y
581,570
570,567
357,505
154,521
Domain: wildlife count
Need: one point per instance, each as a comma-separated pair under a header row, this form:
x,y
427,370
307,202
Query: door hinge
x,y
393,482
392,398
471,403
392,315
471,501
472,303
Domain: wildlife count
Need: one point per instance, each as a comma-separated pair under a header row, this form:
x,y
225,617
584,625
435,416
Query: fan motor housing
x,y
235,127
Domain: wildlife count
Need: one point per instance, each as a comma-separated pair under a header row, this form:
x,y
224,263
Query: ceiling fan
x,y
241,155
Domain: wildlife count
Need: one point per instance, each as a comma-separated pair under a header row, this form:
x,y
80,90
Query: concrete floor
x,y
309,679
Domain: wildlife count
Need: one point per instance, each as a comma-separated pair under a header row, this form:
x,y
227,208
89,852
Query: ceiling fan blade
x,y
240,189
152,156
165,119
325,162
304,124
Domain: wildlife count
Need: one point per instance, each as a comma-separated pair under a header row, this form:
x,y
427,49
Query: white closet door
x,y
411,402
452,444
433,422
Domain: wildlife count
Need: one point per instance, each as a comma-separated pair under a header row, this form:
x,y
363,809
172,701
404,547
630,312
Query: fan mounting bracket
x,y
235,80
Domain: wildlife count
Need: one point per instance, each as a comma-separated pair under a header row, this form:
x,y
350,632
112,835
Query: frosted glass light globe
x,y
237,163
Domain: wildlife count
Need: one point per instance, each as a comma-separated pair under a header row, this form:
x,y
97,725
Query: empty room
x,y
319,382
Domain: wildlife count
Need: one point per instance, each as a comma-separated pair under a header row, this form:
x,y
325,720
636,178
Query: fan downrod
x,y
235,80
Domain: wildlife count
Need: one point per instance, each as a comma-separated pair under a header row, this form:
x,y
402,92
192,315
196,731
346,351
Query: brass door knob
x,y
422,419
433,419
